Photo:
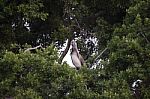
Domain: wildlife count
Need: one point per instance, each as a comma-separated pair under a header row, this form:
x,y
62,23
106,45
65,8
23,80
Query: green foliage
x,y
24,72
37,75
129,47
31,10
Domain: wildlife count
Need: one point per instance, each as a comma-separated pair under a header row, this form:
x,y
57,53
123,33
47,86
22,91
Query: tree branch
x,y
99,56
101,53
65,51
29,49
145,37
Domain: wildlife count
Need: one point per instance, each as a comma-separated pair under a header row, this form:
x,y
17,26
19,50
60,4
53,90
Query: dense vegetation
x,y
121,51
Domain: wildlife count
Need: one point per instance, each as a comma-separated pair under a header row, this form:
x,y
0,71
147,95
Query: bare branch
x,y
29,49
99,56
101,53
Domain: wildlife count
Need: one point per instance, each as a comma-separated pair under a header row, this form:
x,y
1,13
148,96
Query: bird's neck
x,y
75,49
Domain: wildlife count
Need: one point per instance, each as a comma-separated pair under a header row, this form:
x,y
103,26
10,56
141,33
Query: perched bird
x,y
76,58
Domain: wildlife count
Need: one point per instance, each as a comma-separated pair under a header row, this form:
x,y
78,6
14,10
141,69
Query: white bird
x,y
76,58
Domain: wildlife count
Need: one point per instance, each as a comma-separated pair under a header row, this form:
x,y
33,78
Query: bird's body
x,y
77,59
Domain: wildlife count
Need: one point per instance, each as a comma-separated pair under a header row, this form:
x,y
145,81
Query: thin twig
x,y
101,53
99,56
78,24
145,37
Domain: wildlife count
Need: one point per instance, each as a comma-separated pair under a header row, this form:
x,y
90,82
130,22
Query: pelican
x,y
76,58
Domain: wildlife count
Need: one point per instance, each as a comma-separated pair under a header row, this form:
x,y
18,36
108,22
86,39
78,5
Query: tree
x,y
130,46
37,75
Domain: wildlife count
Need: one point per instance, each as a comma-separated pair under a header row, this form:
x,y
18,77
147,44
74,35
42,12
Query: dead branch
x,y
29,49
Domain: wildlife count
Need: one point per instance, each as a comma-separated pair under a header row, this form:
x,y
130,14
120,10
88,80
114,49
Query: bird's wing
x,y
75,60
81,59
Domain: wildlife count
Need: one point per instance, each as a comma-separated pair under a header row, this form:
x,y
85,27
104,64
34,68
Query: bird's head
x,y
74,44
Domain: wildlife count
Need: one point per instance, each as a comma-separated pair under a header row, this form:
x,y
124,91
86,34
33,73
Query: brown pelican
x,y
76,58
